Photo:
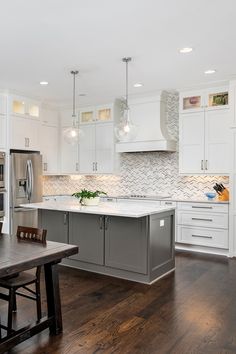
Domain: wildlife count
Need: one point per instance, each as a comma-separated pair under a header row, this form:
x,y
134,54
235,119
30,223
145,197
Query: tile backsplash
x,y
141,173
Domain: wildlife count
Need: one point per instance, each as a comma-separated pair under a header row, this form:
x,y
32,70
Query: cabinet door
x,y
49,149
49,117
87,115
191,143
68,157
217,135
3,105
104,148
126,243
3,132
24,133
192,101
56,224
217,98
87,232
104,113
87,150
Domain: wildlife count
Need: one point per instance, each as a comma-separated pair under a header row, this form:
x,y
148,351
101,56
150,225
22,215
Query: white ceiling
x,y
45,39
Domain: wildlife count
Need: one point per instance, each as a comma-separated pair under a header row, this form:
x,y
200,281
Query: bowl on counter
x,y
210,195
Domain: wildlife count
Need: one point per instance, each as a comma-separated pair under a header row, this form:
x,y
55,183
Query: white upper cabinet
x,y
3,121
96,149
24,124
204,134
25,107
49,141
209,99
104,113
87,150
69,154
192,101
87,115
191,137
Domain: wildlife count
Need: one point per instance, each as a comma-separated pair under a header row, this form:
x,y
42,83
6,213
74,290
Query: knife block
x,y
224,196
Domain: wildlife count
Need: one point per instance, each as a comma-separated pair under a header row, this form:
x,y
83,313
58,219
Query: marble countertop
x,y
111,209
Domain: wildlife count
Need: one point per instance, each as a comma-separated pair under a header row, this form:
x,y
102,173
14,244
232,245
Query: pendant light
x,y
125,130
73,134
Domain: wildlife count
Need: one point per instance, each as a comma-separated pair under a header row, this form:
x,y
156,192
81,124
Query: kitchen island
x,y
130,241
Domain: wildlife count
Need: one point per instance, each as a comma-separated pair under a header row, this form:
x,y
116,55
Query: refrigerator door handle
x,y
31,178
28,180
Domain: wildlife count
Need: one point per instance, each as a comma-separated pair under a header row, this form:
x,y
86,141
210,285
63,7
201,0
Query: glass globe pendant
x,y
125,130
73,134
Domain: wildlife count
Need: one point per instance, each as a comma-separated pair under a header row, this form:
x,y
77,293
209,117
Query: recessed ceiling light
x,y
185,50
43,83
210,71
138,84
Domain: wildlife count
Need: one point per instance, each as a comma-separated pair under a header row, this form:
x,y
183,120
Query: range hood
x,y
149,114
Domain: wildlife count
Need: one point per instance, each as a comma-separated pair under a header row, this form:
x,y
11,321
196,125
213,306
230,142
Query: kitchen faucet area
x,y
117,177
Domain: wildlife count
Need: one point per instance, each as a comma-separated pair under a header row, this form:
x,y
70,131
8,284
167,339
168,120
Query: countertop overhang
x,y
134,210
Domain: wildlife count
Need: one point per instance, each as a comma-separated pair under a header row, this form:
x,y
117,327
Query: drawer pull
x,y
168,203
201,207
202,236
200,219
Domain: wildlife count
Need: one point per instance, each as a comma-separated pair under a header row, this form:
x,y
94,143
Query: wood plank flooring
x,y
191,311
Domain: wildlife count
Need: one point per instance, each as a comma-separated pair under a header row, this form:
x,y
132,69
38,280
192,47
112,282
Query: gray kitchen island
x,y
129,241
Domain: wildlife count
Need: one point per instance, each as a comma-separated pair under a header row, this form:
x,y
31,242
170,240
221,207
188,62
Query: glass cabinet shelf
x,y
86,117
18,107
104,114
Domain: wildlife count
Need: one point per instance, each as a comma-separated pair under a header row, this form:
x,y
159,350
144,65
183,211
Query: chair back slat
x,y
31,234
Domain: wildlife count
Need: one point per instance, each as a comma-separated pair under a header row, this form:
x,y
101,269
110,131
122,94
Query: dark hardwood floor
x,y
191,311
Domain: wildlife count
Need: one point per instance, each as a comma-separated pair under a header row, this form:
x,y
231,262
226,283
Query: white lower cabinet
x,y
96,149
203,224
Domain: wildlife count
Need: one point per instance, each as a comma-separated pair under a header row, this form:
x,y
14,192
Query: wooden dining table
x,y
17,256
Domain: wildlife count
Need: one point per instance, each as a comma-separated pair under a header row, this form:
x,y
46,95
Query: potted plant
x,y
87,197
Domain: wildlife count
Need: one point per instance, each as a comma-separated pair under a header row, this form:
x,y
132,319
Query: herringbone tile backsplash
x,y
141,173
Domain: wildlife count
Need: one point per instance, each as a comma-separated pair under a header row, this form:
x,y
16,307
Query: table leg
x,y
53,297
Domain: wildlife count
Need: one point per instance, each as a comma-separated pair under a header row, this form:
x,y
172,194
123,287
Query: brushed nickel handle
x,y
206,164
96,166
106,222
77,166
65,219
203,236
202,207
201,219
202,168
101,219
45,166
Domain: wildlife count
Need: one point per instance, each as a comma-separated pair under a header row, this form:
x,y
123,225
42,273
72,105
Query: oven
x,y
2,170
2,200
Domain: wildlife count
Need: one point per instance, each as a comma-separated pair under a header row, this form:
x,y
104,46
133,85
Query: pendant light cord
x,y
74,73
127,60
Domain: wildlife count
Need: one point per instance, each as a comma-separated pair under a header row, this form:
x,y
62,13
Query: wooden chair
x,y
1,227
23,279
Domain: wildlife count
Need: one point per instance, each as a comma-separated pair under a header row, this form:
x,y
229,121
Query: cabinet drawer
x,y
204,207
203,219
203,237
168,202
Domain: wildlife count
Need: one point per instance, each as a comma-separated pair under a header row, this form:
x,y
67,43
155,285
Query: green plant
x,y
84,193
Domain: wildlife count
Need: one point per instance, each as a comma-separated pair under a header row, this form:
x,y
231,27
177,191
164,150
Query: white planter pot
x,y
91,201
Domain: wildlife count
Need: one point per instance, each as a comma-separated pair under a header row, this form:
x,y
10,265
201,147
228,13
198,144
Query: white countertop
x,y
134,210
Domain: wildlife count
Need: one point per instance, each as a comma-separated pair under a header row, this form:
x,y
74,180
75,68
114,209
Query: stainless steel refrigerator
x,y
26,187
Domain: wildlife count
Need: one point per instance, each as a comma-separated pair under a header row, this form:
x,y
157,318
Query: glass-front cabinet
x,y
24,107
87,115
208,99
104,113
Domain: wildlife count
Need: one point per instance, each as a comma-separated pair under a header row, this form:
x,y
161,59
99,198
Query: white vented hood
x,y
149,114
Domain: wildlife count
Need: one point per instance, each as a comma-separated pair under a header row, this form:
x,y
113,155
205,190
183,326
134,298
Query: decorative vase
x,y
90,201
